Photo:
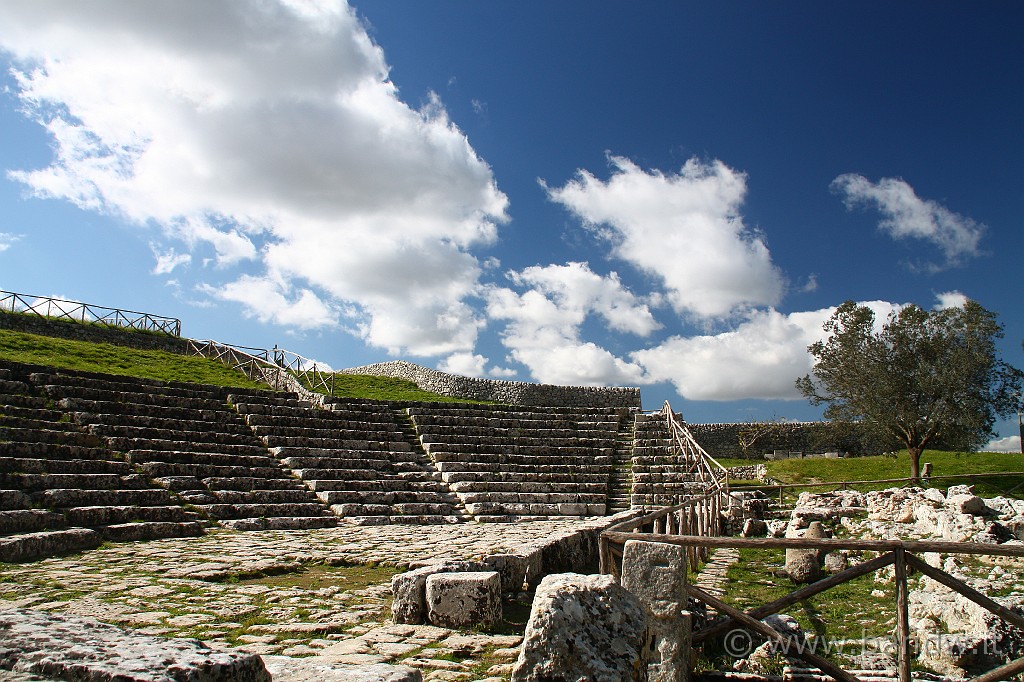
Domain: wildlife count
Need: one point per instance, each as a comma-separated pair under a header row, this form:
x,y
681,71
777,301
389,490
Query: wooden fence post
x,y
902,615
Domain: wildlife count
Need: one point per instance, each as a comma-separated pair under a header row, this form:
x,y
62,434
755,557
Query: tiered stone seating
x,y
356,457
508,463
660,475
62,490
188,439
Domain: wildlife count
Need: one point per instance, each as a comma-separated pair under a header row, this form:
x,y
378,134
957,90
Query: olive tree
x,y
926,377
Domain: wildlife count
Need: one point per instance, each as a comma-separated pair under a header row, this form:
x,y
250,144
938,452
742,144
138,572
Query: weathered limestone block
x,y
84,649
804,565
315,669
410,590
584,627
511,567
656,573
456,600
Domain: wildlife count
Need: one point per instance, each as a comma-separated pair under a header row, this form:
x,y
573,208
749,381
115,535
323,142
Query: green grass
x,y
110,359
387,388
808,471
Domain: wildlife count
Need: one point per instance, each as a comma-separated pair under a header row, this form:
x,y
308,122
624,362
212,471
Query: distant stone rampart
x,y
508,392
91,332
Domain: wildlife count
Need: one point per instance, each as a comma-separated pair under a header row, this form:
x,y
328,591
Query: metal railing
x,y
59,309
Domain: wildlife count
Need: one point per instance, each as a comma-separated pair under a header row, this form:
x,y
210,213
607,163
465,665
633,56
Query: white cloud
x,y
270,132
7,240
544,322
169,260
270,301
685,229
950,299
1008,444
905,215
760,358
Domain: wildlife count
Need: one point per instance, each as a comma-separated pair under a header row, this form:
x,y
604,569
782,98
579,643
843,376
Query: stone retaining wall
x,y
508,392
93,333
723,440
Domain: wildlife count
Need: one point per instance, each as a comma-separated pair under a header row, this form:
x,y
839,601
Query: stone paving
x,y
284,592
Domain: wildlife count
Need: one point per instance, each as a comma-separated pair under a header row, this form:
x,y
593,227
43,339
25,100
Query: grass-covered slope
x,y
164,366
110,359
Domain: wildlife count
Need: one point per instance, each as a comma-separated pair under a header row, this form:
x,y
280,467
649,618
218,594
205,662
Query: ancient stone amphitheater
x,y
87,457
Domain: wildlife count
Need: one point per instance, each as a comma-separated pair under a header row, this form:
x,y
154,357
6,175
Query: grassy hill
x,y
809,471
164,366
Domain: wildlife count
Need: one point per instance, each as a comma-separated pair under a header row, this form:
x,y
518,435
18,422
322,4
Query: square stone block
x,y
457,600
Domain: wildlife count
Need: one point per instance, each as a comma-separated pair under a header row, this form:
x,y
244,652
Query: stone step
x,y
151,530
522,437
250,448
342,460
160,469
23,400
242,483
284,444
58,498
143,437
435,422
140,456
50,436
386,433
38,482
30,521
120,384
377,484
32,546
405,509
40,413
518,468
14,499
322,419
96,516
511,454
242,511
534,509
265,496
452,477
280,523
532,497
267,399
63,466
226,425
381,496
341,474
487,487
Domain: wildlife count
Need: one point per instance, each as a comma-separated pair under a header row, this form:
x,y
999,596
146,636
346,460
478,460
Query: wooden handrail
x,y
76,311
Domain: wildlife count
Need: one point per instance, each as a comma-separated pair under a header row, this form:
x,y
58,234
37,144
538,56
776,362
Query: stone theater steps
x,y
190,441
357,457
62,489
660,476
508,463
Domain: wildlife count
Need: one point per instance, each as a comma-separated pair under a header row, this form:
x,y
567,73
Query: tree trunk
x,y
915,462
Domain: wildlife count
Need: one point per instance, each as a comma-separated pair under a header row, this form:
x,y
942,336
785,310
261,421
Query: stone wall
x,y
91,332
508,392
723,440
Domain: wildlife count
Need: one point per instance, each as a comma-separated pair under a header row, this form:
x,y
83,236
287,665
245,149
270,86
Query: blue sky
x,y
665,195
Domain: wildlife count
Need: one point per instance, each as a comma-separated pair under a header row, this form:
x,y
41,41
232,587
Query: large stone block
x,y
84,649
409,590
656,573
511,567
456,600
584,627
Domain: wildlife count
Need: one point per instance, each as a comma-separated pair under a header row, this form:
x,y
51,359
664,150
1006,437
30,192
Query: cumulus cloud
x,y
270,132
544,323
760,358
906,216
683,228
950,299
1008,444
167,261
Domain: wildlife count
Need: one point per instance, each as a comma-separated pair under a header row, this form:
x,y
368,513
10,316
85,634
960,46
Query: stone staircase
x,y
62,489
660,475
509,463
191,442
355,456
620,483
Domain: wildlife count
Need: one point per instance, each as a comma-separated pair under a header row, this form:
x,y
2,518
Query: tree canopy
x,y
925,378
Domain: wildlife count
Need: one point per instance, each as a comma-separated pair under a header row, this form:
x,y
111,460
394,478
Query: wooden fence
x,y
279,368
900,554
59,309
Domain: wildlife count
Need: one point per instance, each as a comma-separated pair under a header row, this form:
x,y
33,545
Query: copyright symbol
x,y
738,643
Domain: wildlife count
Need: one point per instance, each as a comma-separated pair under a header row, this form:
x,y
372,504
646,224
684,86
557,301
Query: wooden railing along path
x,y
900,554
281,369
75,311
